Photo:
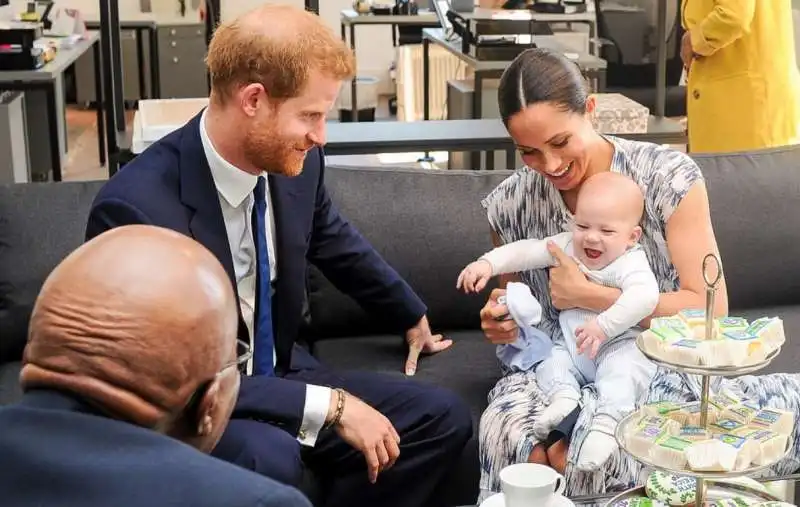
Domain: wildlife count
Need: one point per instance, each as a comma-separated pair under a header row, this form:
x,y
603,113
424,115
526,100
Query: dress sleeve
x,y
504,209
674,175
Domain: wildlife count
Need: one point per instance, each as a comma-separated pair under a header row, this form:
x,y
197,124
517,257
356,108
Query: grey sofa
x,y
428,224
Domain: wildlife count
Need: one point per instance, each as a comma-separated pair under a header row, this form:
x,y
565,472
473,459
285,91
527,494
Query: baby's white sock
x,y
599,445
561,404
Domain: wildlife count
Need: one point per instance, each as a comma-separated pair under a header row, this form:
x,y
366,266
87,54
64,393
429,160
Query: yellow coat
x,y
743,90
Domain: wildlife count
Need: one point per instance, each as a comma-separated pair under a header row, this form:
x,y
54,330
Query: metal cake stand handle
x,y
712,282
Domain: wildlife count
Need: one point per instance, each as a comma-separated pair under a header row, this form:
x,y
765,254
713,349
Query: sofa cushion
x,y
426,224
752,197
469,368
40,223
789,358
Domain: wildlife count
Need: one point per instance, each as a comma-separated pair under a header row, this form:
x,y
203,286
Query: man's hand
x,y
496,323
475,276
567,282
589,337
421,341
368,431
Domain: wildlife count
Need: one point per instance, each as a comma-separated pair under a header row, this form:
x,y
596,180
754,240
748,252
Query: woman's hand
x,y
687,53
498,326
567,282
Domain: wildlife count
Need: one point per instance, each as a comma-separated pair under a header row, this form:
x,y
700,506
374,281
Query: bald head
x,y
277,46
617,190
134,321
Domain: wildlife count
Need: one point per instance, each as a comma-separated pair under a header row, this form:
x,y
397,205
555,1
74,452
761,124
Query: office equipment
x,y
45,105
441,7
548,6
17,46
495,38
405,8
38,12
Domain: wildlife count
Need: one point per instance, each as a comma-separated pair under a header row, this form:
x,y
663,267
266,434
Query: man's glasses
x,y
244,354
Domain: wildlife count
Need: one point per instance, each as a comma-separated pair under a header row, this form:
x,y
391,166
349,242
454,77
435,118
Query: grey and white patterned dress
x,y
526,205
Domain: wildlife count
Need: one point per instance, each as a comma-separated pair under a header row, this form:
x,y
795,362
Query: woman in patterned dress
x,y
546,108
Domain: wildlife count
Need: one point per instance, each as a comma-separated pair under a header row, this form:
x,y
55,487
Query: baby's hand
x,y
589,337
475,276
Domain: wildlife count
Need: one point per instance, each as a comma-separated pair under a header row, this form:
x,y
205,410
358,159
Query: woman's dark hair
x,y
541,75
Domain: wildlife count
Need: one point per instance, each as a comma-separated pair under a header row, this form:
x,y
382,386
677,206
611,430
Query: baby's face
x,y
603,230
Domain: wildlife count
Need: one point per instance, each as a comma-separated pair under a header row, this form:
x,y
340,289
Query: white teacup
x,y
530,485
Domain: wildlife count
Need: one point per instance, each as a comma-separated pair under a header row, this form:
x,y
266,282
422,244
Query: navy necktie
x,y
263,343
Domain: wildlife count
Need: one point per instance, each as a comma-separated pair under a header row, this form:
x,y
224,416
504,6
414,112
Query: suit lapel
x,y
199,194
281,197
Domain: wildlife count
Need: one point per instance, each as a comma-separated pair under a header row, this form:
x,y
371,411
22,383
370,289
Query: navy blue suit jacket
x,y
57,451
170,185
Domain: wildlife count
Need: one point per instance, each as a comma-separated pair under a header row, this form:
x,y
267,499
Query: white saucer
x,y
498,500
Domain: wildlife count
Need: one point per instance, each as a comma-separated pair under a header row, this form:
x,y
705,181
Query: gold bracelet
x,y
337,415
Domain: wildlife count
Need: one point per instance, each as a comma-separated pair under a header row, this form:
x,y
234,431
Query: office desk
x,y
458,135
48,80
590,65
350,18
141,26
587,17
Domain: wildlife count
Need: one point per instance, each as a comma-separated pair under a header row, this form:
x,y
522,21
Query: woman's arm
x,y
690,237
727,21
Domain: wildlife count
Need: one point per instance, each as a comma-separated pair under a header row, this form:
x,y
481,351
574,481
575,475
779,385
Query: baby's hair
x,y
622,183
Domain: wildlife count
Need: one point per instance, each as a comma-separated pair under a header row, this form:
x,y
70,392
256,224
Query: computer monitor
x,y
441,7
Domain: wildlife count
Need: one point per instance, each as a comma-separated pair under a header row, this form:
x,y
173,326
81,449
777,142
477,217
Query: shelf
x,y
715,490
633,418
715,371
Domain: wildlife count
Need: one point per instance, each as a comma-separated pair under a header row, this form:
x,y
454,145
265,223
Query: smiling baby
x,y
592,347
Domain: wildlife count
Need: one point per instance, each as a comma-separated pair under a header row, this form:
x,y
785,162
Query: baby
x,y
604,243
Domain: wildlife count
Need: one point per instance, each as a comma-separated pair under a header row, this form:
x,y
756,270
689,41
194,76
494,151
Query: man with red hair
x,y
245,178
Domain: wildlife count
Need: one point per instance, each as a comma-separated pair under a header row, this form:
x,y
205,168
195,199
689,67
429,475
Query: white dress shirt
x,y
235,189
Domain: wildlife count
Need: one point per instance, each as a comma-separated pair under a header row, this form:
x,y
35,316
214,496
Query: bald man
x,y
109,404
246,179
598,348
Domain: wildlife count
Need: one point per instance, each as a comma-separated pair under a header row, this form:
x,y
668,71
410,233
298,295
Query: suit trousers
x,y
434,426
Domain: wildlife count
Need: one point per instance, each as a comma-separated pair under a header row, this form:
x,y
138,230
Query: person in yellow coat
x,y
743,88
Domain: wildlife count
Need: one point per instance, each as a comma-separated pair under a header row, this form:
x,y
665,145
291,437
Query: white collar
x,y
233,184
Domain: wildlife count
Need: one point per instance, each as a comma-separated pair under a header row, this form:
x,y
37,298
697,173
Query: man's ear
x,y
250,98
203,419
636,235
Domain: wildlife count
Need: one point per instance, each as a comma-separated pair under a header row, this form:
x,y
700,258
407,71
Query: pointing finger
x,y
411,361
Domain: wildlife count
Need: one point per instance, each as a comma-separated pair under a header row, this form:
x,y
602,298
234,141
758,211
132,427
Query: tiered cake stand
x,y
710,485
